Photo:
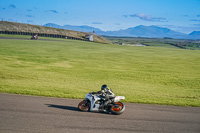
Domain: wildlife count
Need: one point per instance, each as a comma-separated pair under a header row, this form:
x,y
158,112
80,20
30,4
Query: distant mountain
x,y
83,28
148,31
195,33
138,31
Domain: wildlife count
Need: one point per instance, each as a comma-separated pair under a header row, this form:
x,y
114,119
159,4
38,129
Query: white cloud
x,y
142,16
147,17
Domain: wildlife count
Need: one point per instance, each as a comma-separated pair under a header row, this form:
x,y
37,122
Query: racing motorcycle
x,y
93,102
34,37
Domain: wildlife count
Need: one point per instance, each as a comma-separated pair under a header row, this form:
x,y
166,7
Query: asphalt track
x,y
31,114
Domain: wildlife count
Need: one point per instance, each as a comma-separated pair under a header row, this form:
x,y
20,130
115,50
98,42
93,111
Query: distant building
x,y
89,37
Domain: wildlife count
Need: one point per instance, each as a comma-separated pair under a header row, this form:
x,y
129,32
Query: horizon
x,y
113,30
180,16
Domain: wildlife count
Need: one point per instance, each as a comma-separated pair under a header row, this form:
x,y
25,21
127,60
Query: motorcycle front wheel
x,y
118,108
84,105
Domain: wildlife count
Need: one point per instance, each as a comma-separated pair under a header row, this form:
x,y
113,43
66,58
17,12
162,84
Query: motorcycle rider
x,y
106,96
35,37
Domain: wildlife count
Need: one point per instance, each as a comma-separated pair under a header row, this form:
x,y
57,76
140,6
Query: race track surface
x,y
31,114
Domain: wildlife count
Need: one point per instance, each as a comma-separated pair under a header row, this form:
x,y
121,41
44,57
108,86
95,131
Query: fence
x,y
41,35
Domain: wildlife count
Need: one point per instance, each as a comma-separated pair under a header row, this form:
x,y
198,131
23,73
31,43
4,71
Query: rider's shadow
x,y
63,107
70,108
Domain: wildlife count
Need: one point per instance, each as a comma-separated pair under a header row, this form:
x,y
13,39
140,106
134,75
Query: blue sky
x,y
107,15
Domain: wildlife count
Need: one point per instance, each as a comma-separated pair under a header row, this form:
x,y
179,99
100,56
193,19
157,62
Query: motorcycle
x,y
34,37
93,102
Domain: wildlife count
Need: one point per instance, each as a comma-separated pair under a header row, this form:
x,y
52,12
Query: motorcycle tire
x,y
83,107
118,108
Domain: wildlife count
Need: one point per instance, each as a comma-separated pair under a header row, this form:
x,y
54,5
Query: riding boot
x,y
101,107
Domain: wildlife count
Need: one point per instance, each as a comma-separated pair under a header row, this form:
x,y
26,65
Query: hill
x,y
19,27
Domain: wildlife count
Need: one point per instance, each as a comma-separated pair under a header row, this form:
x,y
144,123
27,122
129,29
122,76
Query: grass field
x,y
70,69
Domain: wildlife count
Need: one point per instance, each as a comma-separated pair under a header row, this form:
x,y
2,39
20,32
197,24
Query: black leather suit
x,y
106,97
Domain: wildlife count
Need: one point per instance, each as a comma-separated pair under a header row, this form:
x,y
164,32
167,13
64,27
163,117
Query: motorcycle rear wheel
x,y
84,106
118,108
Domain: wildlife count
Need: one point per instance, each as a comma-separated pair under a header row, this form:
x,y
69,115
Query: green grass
x,y
71,69
16,36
